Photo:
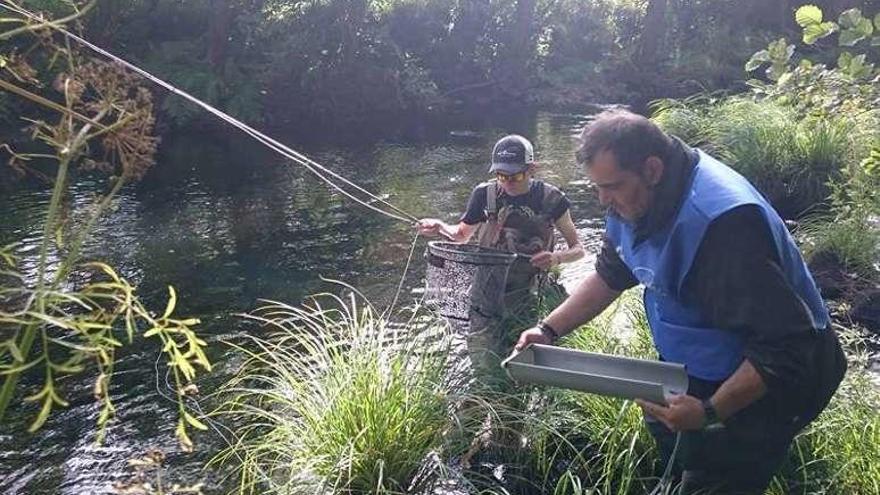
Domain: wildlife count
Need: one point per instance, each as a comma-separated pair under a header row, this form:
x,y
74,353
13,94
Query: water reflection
x,y
227,223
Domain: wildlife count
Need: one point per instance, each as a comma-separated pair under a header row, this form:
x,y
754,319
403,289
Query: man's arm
x,y
589,299
575,251
737,282
460,232
684,412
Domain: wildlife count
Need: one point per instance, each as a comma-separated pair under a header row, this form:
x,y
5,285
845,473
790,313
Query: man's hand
x,y
684,412
430,227
532,336
543,260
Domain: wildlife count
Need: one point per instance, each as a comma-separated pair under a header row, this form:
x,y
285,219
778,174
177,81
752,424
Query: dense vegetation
x,y
368,68
337,400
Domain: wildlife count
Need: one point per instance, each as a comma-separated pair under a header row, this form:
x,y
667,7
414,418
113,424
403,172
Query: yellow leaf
x,y
185,443
172,301
43,416
194,422
105,268
152,331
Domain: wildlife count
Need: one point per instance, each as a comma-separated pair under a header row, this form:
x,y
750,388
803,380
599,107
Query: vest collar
x,y
678,171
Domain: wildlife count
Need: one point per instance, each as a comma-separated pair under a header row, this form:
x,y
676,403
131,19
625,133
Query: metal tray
x,y
601,374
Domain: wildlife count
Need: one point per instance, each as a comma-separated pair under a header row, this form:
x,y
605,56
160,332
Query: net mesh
x,y
466,280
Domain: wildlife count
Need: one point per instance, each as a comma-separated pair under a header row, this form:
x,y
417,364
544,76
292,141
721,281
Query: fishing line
x,y
317,169
409,258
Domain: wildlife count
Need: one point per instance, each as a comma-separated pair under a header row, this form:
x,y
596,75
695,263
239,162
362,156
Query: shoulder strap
x,y
492,198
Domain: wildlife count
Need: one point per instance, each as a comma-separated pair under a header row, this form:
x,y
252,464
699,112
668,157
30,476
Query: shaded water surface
x,y
227,223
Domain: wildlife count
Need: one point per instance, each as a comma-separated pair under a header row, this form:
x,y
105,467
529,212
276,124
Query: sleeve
x,y
476,208
561,206
737,280
613,270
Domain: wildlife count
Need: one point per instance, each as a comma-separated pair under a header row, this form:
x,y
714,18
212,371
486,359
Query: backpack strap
x,y
492,199
491,229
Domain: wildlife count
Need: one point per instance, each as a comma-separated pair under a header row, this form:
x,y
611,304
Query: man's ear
x,y
653,170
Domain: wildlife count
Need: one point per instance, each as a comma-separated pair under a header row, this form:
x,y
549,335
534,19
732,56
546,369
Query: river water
x,y
227,224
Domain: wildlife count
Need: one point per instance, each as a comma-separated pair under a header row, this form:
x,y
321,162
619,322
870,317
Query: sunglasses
x,y
510,178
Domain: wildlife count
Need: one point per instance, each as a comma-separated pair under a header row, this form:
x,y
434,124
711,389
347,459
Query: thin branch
x,y
47,103
44,24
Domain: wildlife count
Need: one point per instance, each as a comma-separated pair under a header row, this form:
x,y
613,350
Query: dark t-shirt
x,y
532,200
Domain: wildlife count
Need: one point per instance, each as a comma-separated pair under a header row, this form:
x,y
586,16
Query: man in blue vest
x,y
726,293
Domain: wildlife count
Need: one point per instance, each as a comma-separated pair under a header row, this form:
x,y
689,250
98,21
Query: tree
x,y
653,32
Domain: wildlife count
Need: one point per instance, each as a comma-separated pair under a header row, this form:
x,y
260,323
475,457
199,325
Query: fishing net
x,y
466,280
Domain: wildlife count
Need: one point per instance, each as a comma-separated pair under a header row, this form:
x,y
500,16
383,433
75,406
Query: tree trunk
x,y
653,32
514,63
219,30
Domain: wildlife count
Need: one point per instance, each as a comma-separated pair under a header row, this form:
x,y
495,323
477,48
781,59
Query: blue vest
x,y
660,263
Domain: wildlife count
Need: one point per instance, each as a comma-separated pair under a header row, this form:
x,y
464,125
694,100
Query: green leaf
x,y
69,369
865,26
152,331
185,443
850,37
815,32
775,72
15,351
194,422
172,301
43,416
850,18
807,15
757,59
877,21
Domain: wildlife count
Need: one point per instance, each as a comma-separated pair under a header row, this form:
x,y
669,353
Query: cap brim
x,y
508,168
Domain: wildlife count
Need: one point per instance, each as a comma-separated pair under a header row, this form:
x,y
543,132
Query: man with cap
x,y
515,212
726,293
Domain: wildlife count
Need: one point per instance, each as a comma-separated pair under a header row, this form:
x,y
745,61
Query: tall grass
x,y
337,400
788,158
853,241
623,452
593,444
571,442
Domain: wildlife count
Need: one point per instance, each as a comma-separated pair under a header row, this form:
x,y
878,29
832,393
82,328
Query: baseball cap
x,y
512,154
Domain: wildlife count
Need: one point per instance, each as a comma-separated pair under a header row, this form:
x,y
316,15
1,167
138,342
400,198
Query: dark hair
x,y
632,138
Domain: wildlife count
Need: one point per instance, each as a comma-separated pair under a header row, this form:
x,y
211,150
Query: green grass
x,y
581,443
624,455
852,240
338,401
788,158
571,442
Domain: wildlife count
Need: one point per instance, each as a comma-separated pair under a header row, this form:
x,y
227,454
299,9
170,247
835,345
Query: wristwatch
x,y
711,421
547,330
